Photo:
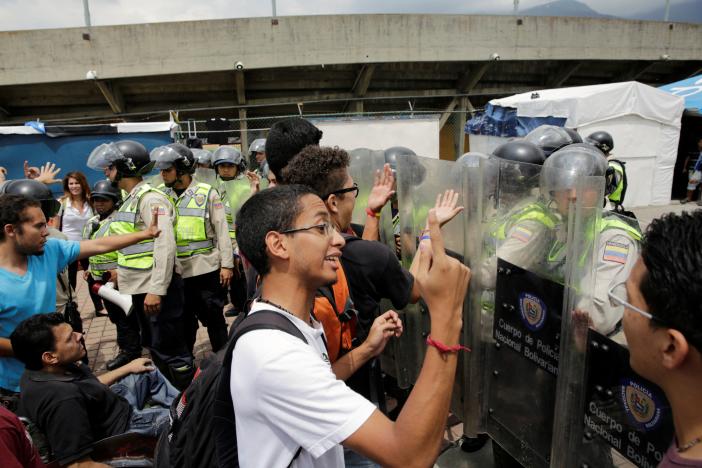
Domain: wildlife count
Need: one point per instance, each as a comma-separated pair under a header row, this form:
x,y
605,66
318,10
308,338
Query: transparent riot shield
x,y
234,193
363,165
615,417
544,245
419,181
205,175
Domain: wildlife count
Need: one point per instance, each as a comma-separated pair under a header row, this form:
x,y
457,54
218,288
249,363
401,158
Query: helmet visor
x,y
227,154
202,156
104,156
549,137
164,157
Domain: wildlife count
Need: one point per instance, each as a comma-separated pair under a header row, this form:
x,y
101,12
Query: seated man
x,y
72,406
663,325
285,391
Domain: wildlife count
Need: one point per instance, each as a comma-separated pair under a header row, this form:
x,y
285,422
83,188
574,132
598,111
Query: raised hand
x,y
30,172
48,173
382,189
445,206
384,327
153,230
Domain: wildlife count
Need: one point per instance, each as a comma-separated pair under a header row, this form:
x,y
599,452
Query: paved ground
x,y
101,342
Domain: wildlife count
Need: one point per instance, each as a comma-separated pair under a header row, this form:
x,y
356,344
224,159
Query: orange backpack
x,y
339,325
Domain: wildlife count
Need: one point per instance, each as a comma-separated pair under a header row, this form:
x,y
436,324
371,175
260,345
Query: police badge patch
x,y
640,404
200,199
533,311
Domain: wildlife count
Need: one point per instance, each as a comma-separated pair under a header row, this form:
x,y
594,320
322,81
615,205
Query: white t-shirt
x,y
286,396
73,220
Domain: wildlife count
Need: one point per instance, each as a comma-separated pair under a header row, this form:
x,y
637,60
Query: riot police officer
x,y
551,138
106,197
257,151
148,269
204,250
391,157
616,181
234,189
617,236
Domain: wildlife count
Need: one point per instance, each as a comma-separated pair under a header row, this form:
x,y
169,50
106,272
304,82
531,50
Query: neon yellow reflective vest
x,y
139,256
616,196
535,211
191,230
233,193
101,263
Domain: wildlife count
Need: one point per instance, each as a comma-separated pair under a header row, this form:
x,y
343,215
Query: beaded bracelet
x,y
446,349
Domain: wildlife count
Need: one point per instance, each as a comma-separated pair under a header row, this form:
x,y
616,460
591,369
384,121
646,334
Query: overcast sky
x,y
36,14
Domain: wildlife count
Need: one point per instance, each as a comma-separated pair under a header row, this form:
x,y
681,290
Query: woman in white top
x,y
76,210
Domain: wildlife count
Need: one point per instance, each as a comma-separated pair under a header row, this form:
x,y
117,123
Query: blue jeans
x,y
356,460
148,387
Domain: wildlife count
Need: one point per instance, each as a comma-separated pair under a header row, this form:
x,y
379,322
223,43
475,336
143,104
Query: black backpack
x,y
202,432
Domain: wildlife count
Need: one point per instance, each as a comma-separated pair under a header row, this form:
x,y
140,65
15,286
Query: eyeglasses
x,y
325,228
354,188
616,301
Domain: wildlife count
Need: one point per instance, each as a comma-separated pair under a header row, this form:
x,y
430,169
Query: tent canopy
x,y
644,121
690,90
575,107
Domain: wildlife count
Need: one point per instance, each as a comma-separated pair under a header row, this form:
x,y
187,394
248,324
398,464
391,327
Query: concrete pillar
x,y
244,134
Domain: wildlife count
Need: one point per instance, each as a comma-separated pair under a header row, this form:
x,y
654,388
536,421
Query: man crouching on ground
x,y
73,407
285,392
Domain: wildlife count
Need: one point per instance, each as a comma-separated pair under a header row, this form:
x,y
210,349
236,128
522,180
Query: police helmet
x,y
130,158
228,155
565,167
174,155
472,159
417,170
551,138
106,189
520,151
35,190
202,156
257,146
602,140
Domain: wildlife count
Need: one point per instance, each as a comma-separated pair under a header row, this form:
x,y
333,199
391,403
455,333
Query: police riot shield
x,y
419,181
205,175
538,246
234,193
616,417
362,167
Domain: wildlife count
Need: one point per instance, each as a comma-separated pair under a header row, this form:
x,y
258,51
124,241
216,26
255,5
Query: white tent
x,y
644,122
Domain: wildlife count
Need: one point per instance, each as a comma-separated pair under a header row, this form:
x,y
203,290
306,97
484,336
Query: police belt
x,y
191,246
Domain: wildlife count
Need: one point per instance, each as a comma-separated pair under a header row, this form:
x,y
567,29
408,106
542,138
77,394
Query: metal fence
x,y
241,132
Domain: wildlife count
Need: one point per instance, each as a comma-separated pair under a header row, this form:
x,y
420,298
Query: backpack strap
x,y
224,419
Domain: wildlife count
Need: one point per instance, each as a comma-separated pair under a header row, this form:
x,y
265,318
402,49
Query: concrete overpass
x,y
329,64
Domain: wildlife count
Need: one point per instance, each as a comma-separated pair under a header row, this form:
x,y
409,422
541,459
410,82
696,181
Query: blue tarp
x,y
504,122
689,89
70,153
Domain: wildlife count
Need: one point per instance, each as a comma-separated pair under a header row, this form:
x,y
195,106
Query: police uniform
x,y
127,326
203,247
617,251
233,194
617,196
150,267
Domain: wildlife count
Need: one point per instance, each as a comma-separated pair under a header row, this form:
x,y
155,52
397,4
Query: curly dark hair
x,y
321,167
273,209
672,252
285,139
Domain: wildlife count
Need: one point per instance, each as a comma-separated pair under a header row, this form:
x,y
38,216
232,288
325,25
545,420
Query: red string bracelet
x,y
446,349
375,214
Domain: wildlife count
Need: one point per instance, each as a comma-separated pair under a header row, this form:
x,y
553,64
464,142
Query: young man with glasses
x,y
286,393
663,325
